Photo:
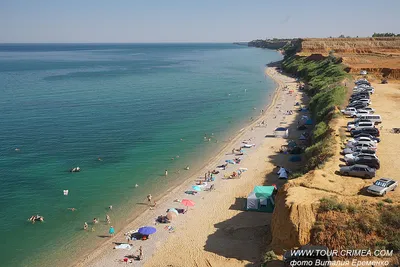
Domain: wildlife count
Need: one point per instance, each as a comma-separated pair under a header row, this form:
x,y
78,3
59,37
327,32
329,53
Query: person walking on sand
x,y
166,172
108,220
85,226
149,196
140,257
111,231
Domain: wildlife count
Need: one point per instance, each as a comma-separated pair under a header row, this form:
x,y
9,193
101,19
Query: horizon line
x,y
199,42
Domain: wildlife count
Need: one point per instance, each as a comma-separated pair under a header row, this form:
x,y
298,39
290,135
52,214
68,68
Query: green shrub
x,y
352,209
391,216
388,200
327,204
269,256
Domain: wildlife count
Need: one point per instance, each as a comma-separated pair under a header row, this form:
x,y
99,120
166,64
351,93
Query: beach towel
x,y
123,246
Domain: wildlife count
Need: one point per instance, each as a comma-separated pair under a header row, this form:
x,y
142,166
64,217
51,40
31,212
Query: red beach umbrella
x,y
187,202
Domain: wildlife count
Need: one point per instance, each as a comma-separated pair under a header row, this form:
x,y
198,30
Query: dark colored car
x,y
360,96
370,131
308,256
372,162
357,105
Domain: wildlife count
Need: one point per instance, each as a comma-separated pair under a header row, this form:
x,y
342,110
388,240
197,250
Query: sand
x,y
216,232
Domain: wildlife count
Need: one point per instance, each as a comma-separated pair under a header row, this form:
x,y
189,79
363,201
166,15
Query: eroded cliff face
x,y
385,45
379,56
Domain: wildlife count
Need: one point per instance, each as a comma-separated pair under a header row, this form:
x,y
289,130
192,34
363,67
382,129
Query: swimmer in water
x,y
136,185
72,209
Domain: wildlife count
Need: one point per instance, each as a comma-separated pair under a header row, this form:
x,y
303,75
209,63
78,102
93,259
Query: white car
x,y
361,139
351,157
371,110
349,111
361,112
365,124
371,144
363,72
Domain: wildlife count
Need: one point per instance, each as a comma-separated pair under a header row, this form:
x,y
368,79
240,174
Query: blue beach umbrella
x,y
147,230
196,188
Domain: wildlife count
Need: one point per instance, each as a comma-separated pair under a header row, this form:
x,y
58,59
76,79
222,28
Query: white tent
x,y
253,203
281,132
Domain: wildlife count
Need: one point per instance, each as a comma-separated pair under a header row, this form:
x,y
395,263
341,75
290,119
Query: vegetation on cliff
x,y
348,226
270,43
386,34
323,85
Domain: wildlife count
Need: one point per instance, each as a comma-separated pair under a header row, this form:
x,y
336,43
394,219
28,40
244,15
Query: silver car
x,y
382,186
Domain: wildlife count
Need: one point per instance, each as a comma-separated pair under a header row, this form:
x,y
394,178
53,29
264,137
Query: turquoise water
x,y
66,105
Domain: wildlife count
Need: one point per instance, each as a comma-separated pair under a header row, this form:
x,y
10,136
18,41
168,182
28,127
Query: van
x,y
372,117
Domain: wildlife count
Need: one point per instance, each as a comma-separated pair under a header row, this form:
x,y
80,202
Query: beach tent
x,y
261,199
281,132
282,173
253,203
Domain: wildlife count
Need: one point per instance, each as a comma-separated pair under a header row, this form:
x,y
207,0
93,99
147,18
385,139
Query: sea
x,y
123,113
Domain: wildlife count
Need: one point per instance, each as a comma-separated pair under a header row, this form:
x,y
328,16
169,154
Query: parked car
x,y
370,161
310,254
357,105
350,160
351,150
359,95
347,157
363,72
371,110
382,186
361,112
375,118
362,81
349,111
362,139
362,100
366,145
370,131
357,120
358,171
359,125
370,137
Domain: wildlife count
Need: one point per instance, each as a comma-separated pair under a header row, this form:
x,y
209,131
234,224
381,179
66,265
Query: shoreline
x,y
94,258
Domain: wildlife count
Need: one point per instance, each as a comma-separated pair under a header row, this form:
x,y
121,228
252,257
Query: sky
x,y
133,21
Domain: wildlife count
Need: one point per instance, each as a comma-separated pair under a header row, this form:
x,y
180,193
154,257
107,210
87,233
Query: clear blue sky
x,y
191,21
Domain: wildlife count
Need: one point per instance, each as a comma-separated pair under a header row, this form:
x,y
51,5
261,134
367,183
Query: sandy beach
x,y
216,231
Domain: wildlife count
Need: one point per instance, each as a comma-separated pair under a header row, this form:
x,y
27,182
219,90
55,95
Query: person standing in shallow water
x,y
108,220
166,172
149,196
85,226
111,231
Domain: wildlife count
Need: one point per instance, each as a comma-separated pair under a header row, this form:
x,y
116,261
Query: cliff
x,y
382,45
270,44
379,56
